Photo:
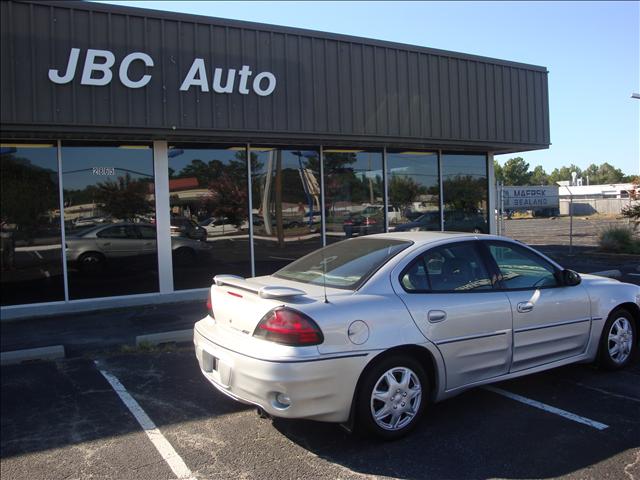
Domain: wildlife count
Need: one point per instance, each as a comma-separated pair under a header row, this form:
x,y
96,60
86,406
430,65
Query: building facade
x,y
144,152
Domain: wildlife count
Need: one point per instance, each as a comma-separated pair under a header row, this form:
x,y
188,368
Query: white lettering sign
x,y
529,198
98,64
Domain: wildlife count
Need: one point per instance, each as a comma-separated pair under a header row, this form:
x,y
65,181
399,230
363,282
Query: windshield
x,y
347,264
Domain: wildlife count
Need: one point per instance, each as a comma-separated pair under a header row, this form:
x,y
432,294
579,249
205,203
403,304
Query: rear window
x,y
347,264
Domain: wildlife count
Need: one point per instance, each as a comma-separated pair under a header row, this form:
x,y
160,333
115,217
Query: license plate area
x,y
209,363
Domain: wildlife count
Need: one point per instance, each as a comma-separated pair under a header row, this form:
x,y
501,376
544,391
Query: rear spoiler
x,y
262,291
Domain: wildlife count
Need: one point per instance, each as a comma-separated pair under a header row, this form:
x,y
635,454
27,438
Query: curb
x,y
53,352
177,336
608,273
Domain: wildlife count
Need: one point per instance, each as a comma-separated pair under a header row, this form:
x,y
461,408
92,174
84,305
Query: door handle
x,y
524,307
436,316
106,244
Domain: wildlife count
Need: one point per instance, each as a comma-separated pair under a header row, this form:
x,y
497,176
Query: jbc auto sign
x,y
528,198
98,67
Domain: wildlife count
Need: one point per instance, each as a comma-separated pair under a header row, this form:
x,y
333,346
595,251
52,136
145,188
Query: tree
x,y
123,198
497,171
516,172
227,198
464,193
403,191
539,176
564,174
28,192
603,174
632,212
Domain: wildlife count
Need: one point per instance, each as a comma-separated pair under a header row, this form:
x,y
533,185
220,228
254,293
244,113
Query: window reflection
x,y
31,253
209,213
108,194
286,206
354,193
414,191
465,192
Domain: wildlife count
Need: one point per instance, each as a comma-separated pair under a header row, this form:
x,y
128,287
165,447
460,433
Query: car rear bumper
x,y
320,388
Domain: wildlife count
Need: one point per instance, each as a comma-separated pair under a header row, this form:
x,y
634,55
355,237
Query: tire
x,y
91,262
619,340
477,230
405,406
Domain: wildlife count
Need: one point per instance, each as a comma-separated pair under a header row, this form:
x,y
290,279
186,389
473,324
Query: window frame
x,y
475,244
484,245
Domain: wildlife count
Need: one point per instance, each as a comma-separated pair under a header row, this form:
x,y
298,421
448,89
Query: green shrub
x,y
619,240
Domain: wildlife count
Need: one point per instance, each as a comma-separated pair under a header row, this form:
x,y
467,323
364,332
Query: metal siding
x,y
357,94
328,87
498,106
434,96
413,94
370,106
381,100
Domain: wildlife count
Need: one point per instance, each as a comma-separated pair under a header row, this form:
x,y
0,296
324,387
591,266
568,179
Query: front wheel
x,y
619,342
392,397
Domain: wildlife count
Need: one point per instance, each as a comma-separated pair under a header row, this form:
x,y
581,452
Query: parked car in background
x,y
369,331
453,221
183,226
368,221
218,226
93,249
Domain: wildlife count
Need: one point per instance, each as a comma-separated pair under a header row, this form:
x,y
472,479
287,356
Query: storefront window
x,y
209,214
287,213
354,193
109,210
31,268
465,192
414,191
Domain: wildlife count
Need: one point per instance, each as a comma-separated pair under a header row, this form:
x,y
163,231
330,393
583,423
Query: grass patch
x,y
619,240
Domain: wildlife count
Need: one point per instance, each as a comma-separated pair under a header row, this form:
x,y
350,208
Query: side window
x,y
521,268
451,268
148,233
120,231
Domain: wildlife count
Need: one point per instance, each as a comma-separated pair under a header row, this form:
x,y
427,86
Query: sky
x,y
591,49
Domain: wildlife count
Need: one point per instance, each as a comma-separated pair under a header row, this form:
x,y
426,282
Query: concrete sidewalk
x,y
101,330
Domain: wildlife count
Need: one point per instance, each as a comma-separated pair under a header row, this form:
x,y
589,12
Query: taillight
x,y
289,327
369,221
209,305
348,222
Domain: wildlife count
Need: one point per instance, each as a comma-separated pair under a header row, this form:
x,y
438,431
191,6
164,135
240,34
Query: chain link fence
x,y
554,218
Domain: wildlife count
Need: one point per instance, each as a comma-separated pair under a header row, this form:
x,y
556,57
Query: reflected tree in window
x,y
29,194
124,198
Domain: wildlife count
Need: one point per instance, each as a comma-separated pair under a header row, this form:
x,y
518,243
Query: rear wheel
x,y
619,340
91,262
392,397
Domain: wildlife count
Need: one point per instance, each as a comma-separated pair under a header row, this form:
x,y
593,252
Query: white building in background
x,y
613,190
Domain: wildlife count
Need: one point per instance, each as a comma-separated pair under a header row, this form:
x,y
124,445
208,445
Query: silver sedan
x,y
366,332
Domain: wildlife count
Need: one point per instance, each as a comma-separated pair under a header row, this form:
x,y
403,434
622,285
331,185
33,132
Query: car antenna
x,y
324,276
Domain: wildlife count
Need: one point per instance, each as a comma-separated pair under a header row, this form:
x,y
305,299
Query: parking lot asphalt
x,y
64,420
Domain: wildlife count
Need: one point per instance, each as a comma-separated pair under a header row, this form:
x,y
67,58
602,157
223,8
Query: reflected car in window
x,y
110,245
453,222
216,226
369,331
185,227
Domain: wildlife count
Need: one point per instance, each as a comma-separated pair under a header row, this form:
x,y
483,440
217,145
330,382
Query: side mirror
x,y
570,278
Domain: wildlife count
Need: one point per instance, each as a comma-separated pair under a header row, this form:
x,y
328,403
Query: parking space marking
x,y
600,390
548,408
169,455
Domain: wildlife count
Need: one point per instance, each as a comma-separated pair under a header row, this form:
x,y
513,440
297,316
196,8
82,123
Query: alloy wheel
x,y
620,341
395,398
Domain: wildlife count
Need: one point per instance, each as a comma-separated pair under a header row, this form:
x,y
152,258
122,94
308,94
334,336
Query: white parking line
x,y
548,408
169,455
